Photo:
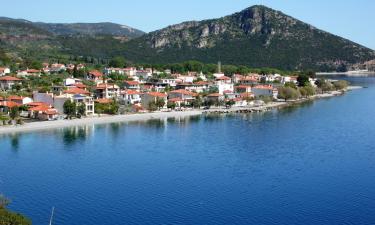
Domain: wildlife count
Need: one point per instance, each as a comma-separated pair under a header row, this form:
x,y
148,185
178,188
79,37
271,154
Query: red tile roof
x,y
131,92
103,100
215,95
96,73
223,78
157,94
131,82
184,92
76,91
175,100
9,104
9,78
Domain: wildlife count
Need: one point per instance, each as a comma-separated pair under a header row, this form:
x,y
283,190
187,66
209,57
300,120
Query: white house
x,y
7,82
130,97
224,84
4,71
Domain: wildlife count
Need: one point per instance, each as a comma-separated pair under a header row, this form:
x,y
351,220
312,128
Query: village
x,y
25,98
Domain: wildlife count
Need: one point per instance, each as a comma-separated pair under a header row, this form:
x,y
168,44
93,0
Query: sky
x,y
351,19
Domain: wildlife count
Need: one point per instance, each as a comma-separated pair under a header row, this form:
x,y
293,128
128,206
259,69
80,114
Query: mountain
x,y
91,29
257,36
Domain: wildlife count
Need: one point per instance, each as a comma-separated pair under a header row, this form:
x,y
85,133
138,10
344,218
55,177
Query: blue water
x,y
312,164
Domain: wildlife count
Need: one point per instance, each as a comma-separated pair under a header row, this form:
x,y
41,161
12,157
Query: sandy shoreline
x,y
46,125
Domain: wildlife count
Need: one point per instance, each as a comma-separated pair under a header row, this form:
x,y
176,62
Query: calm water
x,y
313,164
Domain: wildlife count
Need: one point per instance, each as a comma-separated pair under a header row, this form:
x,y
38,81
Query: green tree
x,y
307,91
340,84
70,109
10,218
160,102
303,80
81,109
118,62
152,106
14,113
171,105
197,102
288,93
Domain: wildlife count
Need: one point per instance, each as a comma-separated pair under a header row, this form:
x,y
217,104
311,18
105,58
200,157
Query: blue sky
x,y
352,19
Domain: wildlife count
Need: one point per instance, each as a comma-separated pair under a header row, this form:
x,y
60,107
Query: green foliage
x,y
107,108
303,80
10,218
118,62
70,108
152,106
81,110
171,105
340,85
160,102
288,93
14,113
307,91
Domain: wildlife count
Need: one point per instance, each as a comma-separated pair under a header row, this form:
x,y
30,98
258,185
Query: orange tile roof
x,y
223,78
131,92
215,95
157,94
9,78
14,97
201,83
103,100
9,104
96,73
131,82
184,92
76,91
175,100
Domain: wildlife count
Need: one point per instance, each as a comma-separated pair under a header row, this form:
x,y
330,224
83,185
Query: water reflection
x,y
73,134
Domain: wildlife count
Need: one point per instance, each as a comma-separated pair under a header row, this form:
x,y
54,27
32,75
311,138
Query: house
x,y
264,90
95,75
184,95
7,82
215,97
143,74
106,90
56,67
186,79
78,99
238,102
223,84
133,85
152,97
130,97
6,106
71,81
249,80
242,88
29,72
4,71
20,99
43,112
169,82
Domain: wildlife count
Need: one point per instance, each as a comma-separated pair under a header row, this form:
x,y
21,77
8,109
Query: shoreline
x,y
107,119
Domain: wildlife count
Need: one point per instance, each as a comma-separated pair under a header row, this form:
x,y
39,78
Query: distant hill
x,y
90,29
22,39
257,36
